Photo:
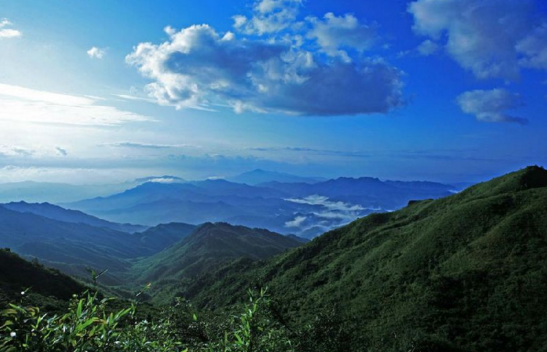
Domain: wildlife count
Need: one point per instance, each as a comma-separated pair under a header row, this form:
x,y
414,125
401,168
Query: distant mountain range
x,y
55,193
462,273
261,176
303,209
54,212
68,246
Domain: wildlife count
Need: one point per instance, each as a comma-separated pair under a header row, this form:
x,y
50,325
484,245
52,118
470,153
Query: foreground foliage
x,y
90,325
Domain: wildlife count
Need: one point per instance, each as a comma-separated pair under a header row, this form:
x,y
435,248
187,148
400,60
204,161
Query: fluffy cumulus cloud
x,y
490,38
491,105
6,32
199,67
269,16
335,33
427,48
534,48
96,53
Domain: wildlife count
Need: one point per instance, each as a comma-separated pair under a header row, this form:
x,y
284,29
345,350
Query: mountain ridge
x,y
56,212
461,273
207,247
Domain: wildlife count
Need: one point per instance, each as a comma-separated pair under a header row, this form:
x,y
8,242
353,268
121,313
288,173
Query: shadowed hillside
x,y
46,287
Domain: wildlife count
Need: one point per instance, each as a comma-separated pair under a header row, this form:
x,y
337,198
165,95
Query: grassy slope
x,y
160,237
467,271
209,246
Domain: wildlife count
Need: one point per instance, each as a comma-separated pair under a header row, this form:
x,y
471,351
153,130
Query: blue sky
x,y
104,91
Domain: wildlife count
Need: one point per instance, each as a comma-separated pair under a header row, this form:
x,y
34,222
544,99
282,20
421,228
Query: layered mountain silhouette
x,y
71,244
303,209
258,176
55,212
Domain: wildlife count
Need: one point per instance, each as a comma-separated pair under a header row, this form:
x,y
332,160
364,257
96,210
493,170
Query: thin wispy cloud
x,y
29,105
134,98
352,154
10,150
150,145
296,222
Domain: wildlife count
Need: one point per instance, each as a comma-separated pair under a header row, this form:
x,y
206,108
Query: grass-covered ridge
x,y
466,272
205,249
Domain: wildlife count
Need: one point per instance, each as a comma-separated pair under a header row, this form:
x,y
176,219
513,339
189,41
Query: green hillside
x,y
163,236
209,246
46,287
463,273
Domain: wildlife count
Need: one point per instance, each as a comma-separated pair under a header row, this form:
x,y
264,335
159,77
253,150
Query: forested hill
x,y
466,272
44,287
206,248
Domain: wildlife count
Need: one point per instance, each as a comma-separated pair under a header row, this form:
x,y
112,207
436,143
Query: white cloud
x,y
165,180
427,48
336,33
134,98
325,202
197,67
150,145
96,53
28,105
6,33
491,105
487,37
36,151
296,222
534,48
269,16
331,210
